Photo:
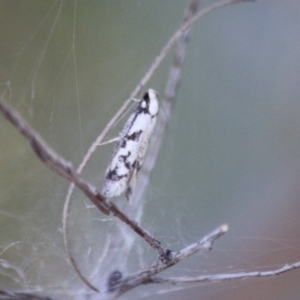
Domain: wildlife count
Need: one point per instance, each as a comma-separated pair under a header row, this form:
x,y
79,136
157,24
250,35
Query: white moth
x,y
129,151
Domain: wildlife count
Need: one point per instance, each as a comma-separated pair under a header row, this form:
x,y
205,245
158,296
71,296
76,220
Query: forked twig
x,y
16,295
145,276
123,285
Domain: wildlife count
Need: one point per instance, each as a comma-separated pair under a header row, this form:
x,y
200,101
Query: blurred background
x,y
231,153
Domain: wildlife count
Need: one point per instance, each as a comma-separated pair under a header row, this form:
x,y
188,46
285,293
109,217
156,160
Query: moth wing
x,y
129,151
115,185
131,185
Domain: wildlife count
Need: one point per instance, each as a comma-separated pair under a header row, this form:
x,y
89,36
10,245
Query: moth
x,y
130,149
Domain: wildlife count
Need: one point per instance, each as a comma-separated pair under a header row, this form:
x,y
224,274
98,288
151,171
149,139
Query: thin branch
x,y
167,105
165,50
50,158
174,258
226,276
17,295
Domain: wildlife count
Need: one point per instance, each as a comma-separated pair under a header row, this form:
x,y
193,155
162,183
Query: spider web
x,y
231,153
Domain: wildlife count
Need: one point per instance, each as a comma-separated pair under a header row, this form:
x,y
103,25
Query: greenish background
x,y
231,153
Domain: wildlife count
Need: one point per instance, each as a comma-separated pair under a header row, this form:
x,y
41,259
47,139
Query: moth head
x,y
150,102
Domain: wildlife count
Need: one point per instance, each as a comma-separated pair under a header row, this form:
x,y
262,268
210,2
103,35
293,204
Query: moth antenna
x,y
109,141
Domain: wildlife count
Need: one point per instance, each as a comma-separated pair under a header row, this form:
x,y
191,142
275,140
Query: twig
x,y
167,105
50,158
226,276
17,295
144,277
165,50
123,285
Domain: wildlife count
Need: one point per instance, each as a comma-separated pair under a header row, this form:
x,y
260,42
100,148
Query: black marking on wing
x,y
146,100
138,110
113,175
123,158
134,136
146,97
128,193
137,165
152,117
122,144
